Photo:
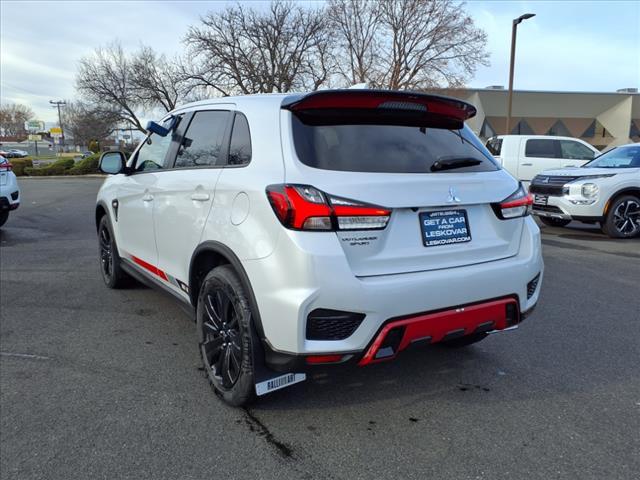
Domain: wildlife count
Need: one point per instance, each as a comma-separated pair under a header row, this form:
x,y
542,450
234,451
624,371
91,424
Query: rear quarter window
x,y
388,148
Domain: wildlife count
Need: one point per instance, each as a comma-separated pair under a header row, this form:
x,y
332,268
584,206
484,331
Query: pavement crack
x,y
255,425
24,355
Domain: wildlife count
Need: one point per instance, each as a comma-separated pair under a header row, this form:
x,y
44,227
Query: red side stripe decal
x,y
153,269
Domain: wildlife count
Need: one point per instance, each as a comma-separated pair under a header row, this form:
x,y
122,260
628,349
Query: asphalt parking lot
x,y
97,383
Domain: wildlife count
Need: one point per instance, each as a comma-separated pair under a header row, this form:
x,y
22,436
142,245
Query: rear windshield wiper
x,y
453,163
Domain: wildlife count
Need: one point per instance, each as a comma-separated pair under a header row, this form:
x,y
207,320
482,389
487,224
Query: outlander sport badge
x,y
453,198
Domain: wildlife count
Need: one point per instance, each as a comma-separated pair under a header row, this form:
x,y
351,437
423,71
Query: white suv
x,y
332,227
9,190
605,191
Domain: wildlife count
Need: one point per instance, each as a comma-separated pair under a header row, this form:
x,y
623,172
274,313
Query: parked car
x,y
605,190
15,153
524,156
323,228
9,190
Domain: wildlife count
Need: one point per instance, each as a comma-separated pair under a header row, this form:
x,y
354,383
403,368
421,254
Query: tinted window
x,y
240,146
494,145
152,154
201,145
388,148
541,148
575,150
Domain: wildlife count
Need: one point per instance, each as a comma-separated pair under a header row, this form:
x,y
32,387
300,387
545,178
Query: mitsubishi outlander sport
x,y
323,228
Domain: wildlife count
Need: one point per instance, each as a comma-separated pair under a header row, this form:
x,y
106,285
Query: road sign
x,y
34,125
56,132
35,138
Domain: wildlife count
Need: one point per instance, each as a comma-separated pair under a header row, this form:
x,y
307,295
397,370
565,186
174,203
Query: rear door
x,y
185,194
536,155
424,175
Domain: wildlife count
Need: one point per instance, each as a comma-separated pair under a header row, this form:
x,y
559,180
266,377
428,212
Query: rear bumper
x,y
396,335
10,203
305,273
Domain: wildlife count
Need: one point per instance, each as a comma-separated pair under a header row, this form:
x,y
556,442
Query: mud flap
x,y
265,379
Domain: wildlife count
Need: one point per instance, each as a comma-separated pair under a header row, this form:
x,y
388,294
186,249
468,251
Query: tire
x,y
464,341
554,222
623,218
3,218
224,326
110,263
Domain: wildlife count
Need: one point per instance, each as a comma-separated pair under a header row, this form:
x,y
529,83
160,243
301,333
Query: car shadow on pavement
x,y
431,371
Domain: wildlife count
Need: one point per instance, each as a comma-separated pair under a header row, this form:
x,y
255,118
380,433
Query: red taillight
x,y
303,207
6,166
516,205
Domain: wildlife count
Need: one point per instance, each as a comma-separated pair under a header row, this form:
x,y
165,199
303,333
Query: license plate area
x,y
540,199
444,227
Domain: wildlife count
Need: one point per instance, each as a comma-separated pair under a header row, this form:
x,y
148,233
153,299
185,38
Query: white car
x,y
332,227
9,190
605,191
524,156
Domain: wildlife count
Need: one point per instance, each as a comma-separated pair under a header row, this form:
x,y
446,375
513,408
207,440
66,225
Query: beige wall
x,y
613,112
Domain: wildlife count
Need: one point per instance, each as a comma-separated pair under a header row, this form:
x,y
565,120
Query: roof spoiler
x,y
383,103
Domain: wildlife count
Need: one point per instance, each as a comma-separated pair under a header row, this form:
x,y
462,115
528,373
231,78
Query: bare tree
x,y
12,118
155,80
409,44
243,50
357,25
105,80
87,123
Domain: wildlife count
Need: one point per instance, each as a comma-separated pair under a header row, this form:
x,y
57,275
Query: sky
x,y
568,46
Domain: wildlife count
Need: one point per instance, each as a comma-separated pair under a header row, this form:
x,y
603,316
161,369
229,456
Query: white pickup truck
x,y
525,156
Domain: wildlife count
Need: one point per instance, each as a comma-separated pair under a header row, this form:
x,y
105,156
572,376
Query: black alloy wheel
x,y
224,327
112,273
623,218
222,346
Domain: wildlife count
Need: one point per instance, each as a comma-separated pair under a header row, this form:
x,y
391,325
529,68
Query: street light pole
x,y
514,28
58,104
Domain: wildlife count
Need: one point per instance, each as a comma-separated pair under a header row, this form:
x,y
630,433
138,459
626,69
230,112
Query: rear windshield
x,y
390,149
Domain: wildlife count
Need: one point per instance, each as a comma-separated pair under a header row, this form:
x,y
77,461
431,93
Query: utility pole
x,y
59,104
514,28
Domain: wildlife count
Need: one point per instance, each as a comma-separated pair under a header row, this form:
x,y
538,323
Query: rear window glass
x,y
389,148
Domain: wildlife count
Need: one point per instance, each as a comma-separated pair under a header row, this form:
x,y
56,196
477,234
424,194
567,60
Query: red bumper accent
x,y
433,327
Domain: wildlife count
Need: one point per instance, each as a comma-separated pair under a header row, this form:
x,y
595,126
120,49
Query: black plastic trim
x,y
142,277
230,256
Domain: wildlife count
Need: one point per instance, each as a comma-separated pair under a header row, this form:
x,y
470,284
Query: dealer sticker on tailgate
x,y
444,227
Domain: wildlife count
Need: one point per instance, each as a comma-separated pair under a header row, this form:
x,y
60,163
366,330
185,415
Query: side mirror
x,y
112,163
164,129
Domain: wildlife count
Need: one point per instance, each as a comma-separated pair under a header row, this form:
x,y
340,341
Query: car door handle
x,y
527,164
200,197
147,197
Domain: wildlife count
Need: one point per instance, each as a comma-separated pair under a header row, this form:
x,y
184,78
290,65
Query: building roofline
x,y
559,92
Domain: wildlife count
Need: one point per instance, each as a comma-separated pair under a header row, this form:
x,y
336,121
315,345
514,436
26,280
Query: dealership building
x,y
602,119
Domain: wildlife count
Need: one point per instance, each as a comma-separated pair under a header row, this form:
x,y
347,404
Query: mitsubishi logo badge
x,y
453,198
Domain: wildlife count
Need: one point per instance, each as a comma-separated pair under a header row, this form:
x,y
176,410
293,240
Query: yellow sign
x,y
35,138
55,131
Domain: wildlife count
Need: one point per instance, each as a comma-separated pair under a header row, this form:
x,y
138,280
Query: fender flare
x,y
622,191
234,261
